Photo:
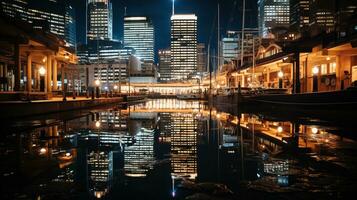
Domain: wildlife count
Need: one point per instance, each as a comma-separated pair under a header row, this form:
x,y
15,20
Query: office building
x,y
165,65
299,15
139,35
99,20
201,58
55,16
183,46
230,46
273,14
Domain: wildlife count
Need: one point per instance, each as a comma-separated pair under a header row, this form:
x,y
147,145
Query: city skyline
x,y
205,11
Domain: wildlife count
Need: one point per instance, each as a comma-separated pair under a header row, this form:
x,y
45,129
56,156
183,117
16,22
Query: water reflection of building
x,y
139,156
184,145
100,159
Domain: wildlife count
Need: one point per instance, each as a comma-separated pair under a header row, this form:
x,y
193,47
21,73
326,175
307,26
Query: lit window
x,y
332,68
323,69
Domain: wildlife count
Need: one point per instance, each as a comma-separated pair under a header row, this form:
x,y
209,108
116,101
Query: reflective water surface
x,y
172,149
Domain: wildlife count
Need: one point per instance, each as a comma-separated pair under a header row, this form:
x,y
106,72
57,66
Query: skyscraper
x,y
57,17
299,15
165,65
201,58
183,46
230,46
139,34
272,14
99,20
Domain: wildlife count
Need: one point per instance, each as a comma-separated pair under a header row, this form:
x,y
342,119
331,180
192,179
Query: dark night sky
x,y
160,12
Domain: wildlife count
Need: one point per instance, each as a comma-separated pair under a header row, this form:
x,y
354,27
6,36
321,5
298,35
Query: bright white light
x,y
184,17
280,129
68,154
115,87
314,130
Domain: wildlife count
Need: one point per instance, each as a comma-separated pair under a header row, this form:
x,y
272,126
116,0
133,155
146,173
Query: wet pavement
x,y
173,149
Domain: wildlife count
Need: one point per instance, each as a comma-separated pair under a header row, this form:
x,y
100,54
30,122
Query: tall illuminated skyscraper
x,y
99,19
139,34
183,45
271,14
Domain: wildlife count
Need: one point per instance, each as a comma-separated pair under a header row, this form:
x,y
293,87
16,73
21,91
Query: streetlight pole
x,y
315,83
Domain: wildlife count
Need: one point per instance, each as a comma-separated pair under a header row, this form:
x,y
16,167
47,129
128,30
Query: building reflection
x,y
184,145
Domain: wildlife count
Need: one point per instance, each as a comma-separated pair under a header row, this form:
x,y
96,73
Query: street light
x,y
42,72
280,129
280,75
97,84
314,130
315,83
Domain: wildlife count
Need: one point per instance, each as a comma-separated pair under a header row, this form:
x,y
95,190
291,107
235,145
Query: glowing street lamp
x,y
97,84
314,130
315,80
280,129
97,124
42,72
280,75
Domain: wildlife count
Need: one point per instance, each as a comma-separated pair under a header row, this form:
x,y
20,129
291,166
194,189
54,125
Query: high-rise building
x,y
201,58
230,46
299,15
273,14
55,16
139,34
329,15
165,65
183,46
99,20
322,16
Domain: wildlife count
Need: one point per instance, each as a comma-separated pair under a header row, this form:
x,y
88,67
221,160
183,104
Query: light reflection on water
x,y
165,148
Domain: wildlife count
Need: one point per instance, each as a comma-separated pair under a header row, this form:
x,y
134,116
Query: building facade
x,y
230,46
165,65
99,20
299,15
56,16
139,35
273,14
201,58
183,46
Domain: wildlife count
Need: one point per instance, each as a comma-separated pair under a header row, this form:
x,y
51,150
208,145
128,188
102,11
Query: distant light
x,y
328,58
285,58
280,74
115,87
280,129
97,82
68,154
97,124
314,130
315,70
66,57
173,193
43,150
106,87
44,59
42,71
